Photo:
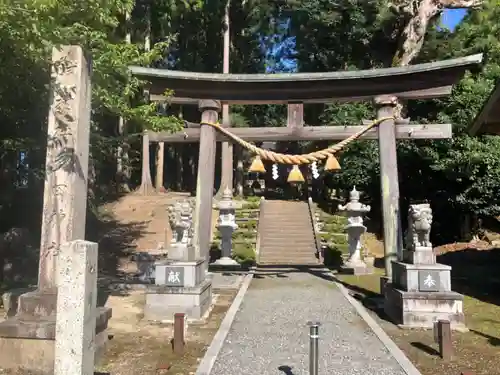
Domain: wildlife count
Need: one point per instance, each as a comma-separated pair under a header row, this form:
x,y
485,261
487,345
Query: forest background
x,y
460,177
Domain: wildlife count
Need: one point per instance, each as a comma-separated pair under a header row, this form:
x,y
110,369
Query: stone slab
x,y
407,277
25,326
225,281
422,309
36,356
356,270
419,257
10,300
38,303
180,252
163,302
226,261
189,274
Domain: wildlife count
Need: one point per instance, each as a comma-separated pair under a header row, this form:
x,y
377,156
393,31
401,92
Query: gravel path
x,y
269,334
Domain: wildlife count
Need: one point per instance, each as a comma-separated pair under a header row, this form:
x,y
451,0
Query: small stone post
x,y
76,309
226,226
355,228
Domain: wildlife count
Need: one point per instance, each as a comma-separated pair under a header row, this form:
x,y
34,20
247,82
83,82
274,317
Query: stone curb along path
x,y
408,367
206,364
265,332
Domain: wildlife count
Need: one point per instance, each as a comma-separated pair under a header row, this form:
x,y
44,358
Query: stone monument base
x,y
27,340
225,261
192,273
411,277
162,301
422,309
181,287
357,269
420,294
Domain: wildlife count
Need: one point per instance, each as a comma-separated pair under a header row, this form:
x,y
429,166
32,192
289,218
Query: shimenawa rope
x,y
276,157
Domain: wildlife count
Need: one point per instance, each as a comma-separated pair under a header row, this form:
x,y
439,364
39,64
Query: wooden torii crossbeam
x,y
384,86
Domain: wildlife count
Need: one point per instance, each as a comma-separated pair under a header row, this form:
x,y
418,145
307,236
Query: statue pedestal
x,y
180,287
420,293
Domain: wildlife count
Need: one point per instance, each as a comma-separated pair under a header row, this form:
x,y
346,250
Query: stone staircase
x,y
286,235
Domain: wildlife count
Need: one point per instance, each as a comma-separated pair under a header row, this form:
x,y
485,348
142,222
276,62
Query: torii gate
x,y
383,86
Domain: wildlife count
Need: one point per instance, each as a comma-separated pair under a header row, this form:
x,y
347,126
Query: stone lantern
x,y
226,226
355,210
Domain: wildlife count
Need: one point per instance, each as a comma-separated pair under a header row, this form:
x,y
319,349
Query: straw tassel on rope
x,y
257,166
295,175
332,164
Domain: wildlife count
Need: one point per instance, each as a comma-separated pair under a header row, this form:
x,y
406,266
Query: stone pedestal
x,y
27,340
358,269
180,287
420,294
420,290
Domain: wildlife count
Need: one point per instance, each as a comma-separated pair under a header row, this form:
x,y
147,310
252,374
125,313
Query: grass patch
x,y
476,351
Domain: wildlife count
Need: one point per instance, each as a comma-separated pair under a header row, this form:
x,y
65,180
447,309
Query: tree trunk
x,y
413,35
420,14
146,187
240,172
123,172
160,162
122,160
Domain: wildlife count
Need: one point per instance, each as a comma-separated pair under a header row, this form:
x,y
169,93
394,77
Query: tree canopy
x,y
460,176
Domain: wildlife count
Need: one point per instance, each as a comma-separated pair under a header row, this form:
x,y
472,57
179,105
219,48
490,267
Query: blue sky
x,y
452,17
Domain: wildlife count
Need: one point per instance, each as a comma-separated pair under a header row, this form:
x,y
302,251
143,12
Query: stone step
x,y
289,262
284,225
274,258
286,236
287,249
272,240
283,255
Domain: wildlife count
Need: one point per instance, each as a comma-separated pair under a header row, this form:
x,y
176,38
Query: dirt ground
x,y
131,224
139,348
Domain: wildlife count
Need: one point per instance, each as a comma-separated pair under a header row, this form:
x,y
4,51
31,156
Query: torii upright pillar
x,y
389,185
205,182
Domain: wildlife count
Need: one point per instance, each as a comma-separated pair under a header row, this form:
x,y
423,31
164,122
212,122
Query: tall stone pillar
x,y
67,161
27,339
